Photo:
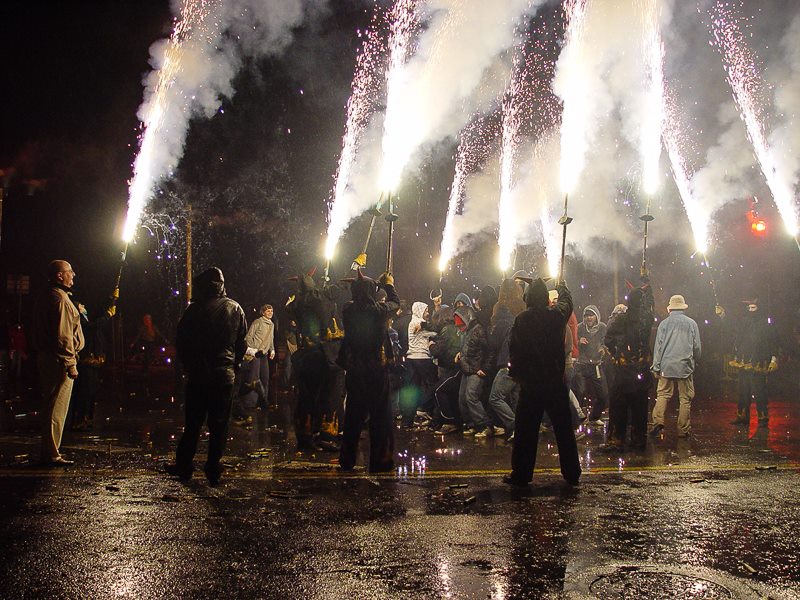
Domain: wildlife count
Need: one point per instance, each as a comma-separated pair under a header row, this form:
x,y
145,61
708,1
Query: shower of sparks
x,y
404,24
366,83
552,243
697,214
742,70
145,176
654,97
575,96
466,158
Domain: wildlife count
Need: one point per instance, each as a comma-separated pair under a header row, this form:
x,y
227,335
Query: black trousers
x,y
368,397
587,383
446,394
310,368
534,400
752,386
421,395
628,402
206,402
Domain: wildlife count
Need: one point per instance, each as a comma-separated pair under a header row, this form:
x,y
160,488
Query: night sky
x,y
258,174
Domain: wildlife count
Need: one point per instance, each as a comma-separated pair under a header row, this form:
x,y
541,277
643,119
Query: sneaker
x,y
598,422
656,430
445,429
510,438
488,432
213,474
424,414
469,431
499,432
59,461
579,435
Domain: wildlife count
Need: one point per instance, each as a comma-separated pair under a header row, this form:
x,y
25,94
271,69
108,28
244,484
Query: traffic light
x,y
758,226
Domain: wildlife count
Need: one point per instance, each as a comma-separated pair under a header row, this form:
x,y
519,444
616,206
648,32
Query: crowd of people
x,y
509,363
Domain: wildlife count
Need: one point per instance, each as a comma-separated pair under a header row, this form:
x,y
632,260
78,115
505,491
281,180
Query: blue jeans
x,y
503,399
469,401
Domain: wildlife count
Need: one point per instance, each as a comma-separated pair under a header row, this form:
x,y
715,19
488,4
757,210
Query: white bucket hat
x,y
677,302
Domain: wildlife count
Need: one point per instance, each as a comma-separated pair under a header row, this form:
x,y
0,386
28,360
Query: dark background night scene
x,y
710,513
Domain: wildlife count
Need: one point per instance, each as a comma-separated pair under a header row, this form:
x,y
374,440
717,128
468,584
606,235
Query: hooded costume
x,y
628,342
420,396
312,310
210,345
463,298
755,349
536,352
364,355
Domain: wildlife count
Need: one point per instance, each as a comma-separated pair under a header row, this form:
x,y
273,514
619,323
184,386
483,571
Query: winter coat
x,y
447,343
462,297
260,335
486,301
401,325
755,342
677,346
419,338
536,347
57,326
572,325
474,344
500,335
311,309
590,353
366,329
210,338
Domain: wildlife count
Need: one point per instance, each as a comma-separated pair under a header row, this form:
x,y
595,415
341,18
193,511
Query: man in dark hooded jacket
x,y
364,356
210,345
628,342
589,374
536,357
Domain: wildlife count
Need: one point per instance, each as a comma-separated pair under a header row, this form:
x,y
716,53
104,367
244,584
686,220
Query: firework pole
x,y
563,221
390,218
646,218
361,259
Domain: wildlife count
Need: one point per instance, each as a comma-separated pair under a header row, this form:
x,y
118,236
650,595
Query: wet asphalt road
x,y
714,516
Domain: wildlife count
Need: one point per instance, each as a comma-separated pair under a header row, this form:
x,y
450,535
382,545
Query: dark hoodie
x,y
755,340
210,338
365,325
311,310
590,353
474,344
536,348
447,342
486,301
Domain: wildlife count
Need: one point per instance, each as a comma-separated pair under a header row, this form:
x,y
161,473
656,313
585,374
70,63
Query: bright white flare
x,y
396,127
456,194
573,91
359,112
697,214
551,242
741,67
145,174
508,218
650,148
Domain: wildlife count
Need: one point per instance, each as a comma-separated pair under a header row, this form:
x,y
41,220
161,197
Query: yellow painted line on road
x,y
271,473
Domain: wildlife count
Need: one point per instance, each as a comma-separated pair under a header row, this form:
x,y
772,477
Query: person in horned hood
x,y
365,355
628,342
311,311
536,361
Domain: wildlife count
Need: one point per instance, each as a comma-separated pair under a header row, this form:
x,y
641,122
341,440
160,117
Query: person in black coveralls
x,y
536,353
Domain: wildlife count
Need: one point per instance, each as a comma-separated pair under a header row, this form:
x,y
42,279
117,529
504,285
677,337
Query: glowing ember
x,y
573,91
742,69
165,98
365,85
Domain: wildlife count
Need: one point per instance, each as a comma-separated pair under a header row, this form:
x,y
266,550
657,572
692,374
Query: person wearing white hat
x,y
677,348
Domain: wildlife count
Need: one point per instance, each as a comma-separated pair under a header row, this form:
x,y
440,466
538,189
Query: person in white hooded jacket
x,y
420,365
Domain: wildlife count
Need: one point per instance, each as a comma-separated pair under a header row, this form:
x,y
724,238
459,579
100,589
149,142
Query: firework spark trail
x,y
366,83
698,216
654,96
164,98
574,93
742,70
404,24
552,241
466,158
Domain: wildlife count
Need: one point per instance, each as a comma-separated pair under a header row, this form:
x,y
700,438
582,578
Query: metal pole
x,y
188,253
563,221
646,217
391,218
